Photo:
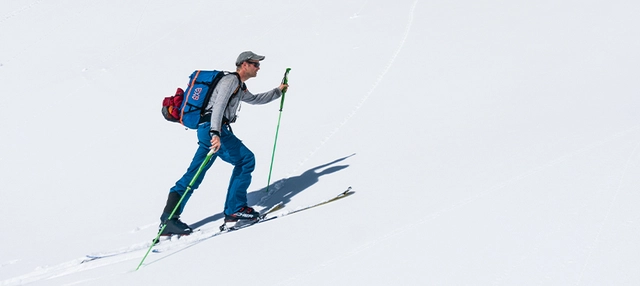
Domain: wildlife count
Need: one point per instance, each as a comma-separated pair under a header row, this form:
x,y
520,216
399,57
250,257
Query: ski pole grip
x,y
285,80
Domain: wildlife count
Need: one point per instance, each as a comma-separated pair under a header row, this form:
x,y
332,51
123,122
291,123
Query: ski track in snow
x,y
9,263
364,99
279,184
19,11
70,267
77,265
38,41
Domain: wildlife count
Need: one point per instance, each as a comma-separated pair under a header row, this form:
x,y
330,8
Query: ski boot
x,y
243,216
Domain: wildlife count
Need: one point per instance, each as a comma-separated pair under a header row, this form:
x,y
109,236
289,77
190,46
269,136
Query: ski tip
x,y
277,206
272,209
88,258
349,191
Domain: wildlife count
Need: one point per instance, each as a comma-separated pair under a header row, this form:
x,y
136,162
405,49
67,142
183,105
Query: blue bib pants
x,y
232,151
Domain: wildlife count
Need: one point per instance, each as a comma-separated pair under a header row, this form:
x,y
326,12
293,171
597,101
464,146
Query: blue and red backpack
x,y
189,107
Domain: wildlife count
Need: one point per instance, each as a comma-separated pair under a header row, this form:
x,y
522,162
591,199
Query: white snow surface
x,y
487,142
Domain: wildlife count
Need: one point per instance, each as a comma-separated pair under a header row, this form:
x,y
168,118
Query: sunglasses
x,y
255,64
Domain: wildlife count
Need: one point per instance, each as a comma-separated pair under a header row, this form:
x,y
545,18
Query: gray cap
x,y
248,55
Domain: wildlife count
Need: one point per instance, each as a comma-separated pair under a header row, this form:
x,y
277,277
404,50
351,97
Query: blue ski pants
x,y
232,151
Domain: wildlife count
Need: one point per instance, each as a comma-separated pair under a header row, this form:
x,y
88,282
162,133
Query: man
x,y
214,133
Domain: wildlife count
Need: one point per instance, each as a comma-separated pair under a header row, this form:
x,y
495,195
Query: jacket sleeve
x,y
220,98
261,98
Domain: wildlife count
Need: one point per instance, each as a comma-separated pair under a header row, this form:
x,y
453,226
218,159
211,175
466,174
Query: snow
x,y
487,142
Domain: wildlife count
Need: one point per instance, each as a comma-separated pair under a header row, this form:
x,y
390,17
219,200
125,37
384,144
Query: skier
x,y
214,133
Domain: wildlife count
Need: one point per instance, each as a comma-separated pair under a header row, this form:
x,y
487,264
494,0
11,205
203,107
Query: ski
x,y
206,233
344,194
188,240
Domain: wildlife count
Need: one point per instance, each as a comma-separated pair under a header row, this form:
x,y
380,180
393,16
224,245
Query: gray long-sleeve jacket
x,y
223,105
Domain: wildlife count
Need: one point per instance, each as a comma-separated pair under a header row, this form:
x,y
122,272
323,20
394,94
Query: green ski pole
x,y
285,80
204,163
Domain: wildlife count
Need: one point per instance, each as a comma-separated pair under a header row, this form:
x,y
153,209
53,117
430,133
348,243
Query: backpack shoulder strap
x,y
240,85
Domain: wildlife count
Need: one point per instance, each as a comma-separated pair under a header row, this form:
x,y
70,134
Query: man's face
x,y
252,68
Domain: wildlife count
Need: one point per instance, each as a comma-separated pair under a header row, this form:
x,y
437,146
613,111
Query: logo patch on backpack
x,y
196,94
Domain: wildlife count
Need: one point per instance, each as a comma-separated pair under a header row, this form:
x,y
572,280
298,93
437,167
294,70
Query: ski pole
x,y
195,177
285,80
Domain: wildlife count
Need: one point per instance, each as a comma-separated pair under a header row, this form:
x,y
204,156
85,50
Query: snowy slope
x,y
488,143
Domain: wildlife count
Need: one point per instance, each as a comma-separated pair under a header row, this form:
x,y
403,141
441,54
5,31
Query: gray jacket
x,y
223,105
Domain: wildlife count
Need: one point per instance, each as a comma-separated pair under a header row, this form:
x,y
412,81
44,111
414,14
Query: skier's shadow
x,y
283,190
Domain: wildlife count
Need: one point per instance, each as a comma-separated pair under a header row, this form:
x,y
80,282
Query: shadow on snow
x,y
283,190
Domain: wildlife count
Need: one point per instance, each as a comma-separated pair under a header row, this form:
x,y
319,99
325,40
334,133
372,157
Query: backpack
x,y
189,107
